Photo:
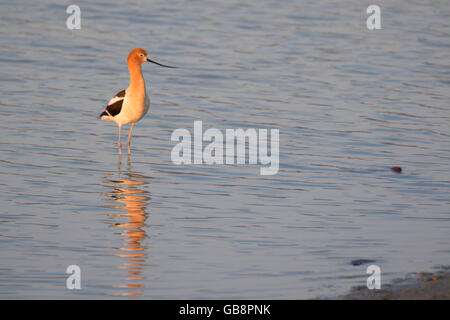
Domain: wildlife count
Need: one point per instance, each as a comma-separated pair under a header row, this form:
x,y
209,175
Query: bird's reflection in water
x,y
127,195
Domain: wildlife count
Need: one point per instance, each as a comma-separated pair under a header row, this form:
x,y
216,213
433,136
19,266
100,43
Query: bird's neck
x,y
136,79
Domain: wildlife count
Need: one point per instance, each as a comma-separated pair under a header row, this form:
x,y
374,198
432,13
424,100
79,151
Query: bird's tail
x,y
105,115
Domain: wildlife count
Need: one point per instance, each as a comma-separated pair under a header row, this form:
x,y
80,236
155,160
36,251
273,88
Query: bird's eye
x,y
141,55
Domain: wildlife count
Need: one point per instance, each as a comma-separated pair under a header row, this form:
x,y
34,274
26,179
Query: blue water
x,y
349,103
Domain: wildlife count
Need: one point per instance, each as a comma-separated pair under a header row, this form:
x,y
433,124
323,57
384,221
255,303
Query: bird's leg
x,y
120,145
129,162
129,137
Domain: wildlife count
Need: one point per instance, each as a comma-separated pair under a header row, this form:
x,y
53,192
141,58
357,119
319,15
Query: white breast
x,y
134,108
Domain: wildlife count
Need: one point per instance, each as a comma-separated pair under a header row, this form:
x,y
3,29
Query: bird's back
x,y
114,106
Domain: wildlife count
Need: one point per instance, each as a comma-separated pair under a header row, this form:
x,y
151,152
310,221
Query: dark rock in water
x,y
361,261
397,169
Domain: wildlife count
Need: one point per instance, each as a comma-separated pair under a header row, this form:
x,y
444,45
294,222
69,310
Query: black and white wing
x,y
114,105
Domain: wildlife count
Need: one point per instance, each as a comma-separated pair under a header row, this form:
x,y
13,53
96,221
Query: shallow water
x,y
350,103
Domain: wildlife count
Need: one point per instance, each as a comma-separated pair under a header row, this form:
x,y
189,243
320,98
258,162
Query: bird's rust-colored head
x,y
138,56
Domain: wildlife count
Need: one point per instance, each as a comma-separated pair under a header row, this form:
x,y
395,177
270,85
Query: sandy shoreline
x,y
416,286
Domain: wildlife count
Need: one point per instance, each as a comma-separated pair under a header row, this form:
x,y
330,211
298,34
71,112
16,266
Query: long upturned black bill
x,y
159,64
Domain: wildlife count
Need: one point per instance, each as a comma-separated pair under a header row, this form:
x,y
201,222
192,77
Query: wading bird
x,y
130,105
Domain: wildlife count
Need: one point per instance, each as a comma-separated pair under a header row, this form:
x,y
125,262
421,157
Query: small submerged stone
x,y
361,261
397,169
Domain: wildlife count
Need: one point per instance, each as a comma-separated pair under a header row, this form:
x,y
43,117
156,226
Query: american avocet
x,y
130,105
